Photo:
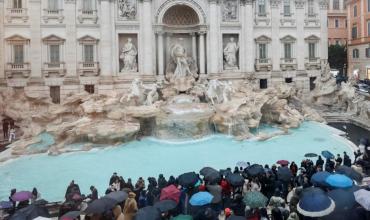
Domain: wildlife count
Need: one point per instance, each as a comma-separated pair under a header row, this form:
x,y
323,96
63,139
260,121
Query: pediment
x,y
312,38
263,39
17,37
288,38
53,38
87,38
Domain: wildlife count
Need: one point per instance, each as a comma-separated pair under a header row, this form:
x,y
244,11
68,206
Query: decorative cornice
x,y
213,1
275,3
324,4
70,1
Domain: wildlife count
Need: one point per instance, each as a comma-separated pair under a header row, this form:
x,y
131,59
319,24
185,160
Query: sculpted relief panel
x,y
230,10
127,9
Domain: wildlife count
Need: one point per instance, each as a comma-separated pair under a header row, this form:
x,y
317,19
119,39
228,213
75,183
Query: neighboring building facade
x,y
62,46
337,22
359,37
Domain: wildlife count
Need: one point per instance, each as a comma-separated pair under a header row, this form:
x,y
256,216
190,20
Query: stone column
x,y
106,39
202,54
147,29
301,44
34,10
275,40
2,48
249,52
160,54
70,54
168,45
324,31
213,38
194,46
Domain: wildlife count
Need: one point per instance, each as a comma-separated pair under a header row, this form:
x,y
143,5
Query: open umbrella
x,y
213,177
318,179
225,172
183,217
315,203
362,196
339,181
70,215
30,212
6,205
235,179
284,174
148,213
188,179
255,199
22,196
310,155
344,199
327,154
350,172
255,170
118,196
235,217
101,205
201,198
283,162
165,205
206,170
242,164
170,192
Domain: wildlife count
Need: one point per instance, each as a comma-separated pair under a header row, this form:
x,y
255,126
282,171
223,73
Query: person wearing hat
x,y
130,208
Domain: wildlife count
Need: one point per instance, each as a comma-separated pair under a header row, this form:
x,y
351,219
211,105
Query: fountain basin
x,y
150,157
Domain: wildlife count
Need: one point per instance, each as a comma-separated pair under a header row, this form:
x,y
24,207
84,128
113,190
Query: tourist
x,y
329,165
72,189
161,181
130,208
94,194
11,134
122,183
129,185
142,199
113,178
320,162
216,191
35,195
12,192
346,160
276,214
255,185
117,212
293,168
338,160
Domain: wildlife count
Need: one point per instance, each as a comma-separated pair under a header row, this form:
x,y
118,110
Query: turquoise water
x,y
150,157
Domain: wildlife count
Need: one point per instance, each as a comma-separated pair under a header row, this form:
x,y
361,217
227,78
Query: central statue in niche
x,y
230,54
128,56
181,70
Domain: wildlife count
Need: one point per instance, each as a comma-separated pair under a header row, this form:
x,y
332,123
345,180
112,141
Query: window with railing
x,y
354,32
335,4
18,54
54,55
262,53
53,6
312,51
88,53
287,51
287,8
261,7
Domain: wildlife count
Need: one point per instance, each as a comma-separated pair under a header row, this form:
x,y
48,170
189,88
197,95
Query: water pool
x,y
150,157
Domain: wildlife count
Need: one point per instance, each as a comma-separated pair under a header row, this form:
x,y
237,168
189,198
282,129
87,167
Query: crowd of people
x,y
283,195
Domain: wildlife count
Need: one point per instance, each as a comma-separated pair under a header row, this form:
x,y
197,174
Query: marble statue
x,y
152,95
135,92
127,9
213,91
178,54
227,91
230,51
128,56
230,10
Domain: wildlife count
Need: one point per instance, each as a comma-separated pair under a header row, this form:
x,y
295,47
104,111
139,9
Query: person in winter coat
x,y
346,160
162,182
117,212
130,208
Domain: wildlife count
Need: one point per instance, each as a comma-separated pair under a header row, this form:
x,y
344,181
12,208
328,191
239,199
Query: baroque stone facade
x,y
62,46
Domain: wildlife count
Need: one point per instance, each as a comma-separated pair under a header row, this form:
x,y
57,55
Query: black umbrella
x,y
148,213
310,155
235,217
225,172
188,179
213,177
255,170
118,196
71,215
284,174
101,205
165,205
206,170
350,172
344,204
235,179
30,212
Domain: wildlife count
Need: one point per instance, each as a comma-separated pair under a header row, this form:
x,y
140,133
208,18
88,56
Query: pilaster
x,y
202,54
160,53
147,37
213,38
35,41
249,52
71,37
275,30
2,48
323,30
106,39
301,47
